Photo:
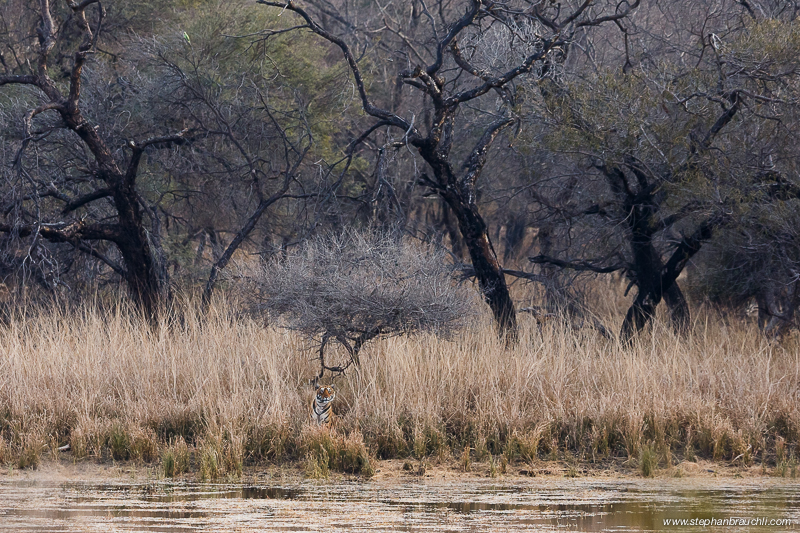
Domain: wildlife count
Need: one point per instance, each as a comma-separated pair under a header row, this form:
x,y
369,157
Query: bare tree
x,y
465,58
354,287
246,139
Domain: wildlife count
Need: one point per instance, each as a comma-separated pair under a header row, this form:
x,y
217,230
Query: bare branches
x,y
688,247
722,121
139,148
618,15
84,49
459,26
356,287
25,79
580,266
477,158
62,232
46,37
74,204
248,227
489,84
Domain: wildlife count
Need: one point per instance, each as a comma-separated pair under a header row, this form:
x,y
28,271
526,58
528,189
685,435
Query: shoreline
x,y
65,470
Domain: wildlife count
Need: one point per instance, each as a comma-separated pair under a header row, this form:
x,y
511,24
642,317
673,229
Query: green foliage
x,y
119,443
221,454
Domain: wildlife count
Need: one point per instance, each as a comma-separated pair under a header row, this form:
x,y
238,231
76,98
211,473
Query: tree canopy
x,y
149,146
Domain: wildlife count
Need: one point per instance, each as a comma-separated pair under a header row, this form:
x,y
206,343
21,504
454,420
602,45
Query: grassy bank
x,y
213,397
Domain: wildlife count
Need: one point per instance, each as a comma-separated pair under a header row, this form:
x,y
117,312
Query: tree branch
x,y
248,227
74,204
491,83
687,248
722,121
65,232
462,23
138,150
609,18
83,247
477,159
580,266
25,79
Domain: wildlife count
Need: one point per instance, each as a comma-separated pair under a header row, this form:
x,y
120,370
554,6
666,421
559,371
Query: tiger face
x,y
321,410
325,395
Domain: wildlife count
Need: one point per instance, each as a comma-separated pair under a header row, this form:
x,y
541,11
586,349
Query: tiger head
x,y
325,395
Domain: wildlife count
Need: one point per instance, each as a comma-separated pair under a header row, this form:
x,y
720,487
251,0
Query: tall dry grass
x,y
215,395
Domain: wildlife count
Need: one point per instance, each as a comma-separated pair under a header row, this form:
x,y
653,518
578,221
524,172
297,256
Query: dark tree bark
x,y
657,282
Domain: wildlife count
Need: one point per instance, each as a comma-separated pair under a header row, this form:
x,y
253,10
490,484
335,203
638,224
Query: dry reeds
x,y
217,394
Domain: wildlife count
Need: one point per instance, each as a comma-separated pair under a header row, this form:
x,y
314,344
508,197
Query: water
x,y
582,504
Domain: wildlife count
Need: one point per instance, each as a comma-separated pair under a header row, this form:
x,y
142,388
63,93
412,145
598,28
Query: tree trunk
x,y
652,288
146,287
679,314
487,268
647,267
655,282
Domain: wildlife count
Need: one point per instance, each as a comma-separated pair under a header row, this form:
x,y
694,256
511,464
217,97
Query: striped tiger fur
x,y
321,411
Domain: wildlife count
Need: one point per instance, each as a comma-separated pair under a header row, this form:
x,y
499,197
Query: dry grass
x,y
217,395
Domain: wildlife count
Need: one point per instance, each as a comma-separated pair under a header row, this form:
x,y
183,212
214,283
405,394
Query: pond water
x,y
582,504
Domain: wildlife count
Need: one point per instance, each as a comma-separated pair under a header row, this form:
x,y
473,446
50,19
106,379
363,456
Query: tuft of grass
x,y
481,448
493,469
648,460
175,458
317,464
143,444
31,454
269,442
209,463
525,445
688,453
326,451
5,453
786,466
466,461
780,449
119,442
221,455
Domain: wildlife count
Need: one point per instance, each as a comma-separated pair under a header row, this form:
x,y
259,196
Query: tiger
x,y
321,411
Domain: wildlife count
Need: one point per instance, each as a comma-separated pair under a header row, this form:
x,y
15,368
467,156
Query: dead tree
x,y
351,288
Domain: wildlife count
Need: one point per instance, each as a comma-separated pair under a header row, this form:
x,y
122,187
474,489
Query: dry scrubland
x,y
212,397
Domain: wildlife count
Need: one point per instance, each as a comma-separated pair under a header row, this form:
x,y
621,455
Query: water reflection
x,y
534,505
